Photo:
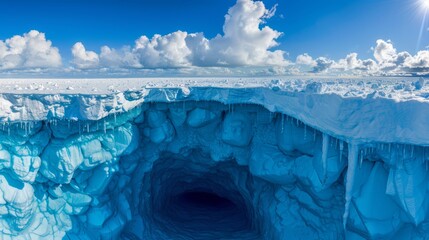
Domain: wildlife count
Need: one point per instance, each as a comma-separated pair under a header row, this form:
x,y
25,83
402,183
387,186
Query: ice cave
x,y
214,159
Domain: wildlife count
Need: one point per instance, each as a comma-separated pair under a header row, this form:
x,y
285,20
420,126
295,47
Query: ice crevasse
x,y
214,159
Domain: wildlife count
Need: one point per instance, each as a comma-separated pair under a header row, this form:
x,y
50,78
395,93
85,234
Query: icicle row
x,y
325,148
350,178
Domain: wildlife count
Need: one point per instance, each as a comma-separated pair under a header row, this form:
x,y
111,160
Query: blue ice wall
x,y
205,170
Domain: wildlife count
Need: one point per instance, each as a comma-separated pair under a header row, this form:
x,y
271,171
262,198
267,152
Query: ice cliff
x,y
214,159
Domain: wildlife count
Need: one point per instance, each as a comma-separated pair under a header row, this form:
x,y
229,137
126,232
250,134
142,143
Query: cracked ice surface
x,y
212,159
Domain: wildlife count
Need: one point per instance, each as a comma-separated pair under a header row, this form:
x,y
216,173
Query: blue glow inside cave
x,y
197,198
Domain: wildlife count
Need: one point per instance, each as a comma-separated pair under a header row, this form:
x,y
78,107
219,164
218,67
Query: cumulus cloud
x,y
384,51
245,42
29,51
390,62
166,51
83,58
352,63
387,62
246,46
305,59
323,64
418,63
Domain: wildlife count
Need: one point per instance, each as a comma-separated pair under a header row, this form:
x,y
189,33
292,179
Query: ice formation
x,y
214,159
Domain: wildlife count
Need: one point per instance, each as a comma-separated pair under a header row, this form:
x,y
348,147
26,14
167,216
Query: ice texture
x,y
283,159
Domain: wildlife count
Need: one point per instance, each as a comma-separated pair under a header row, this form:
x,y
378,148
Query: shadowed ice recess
x,y
198,169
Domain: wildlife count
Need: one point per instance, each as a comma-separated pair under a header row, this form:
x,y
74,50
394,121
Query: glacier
x,y
214,158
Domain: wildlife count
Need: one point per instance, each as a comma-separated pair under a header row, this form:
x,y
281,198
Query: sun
x,y
424,4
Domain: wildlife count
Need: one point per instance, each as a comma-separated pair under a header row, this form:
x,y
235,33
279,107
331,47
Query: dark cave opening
x,y
193,199
205,211
200,199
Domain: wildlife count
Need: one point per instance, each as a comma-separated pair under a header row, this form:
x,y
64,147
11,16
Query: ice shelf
x,y
217,158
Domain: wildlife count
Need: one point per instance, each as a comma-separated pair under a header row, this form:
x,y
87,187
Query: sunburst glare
x,y
424,4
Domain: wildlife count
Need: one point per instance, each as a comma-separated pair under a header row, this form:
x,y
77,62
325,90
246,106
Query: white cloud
x,y
418,63
166,51
305,59
245,42
384,52
123,58
82,58
387,62
246,46
393,63
323,64
32,50
352,63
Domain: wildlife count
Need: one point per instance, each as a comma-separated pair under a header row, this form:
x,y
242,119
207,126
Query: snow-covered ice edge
x,y
389,110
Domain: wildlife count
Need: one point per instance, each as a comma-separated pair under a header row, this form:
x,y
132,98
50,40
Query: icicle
x,y
424,156
68,123
104,126
114,116
350,179
325,148
87,127
305,132
341,151
282,123
361,157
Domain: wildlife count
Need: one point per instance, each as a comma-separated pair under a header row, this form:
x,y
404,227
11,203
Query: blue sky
x,y
322,28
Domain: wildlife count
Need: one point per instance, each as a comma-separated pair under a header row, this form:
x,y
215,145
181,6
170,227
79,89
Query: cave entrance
x,y
203,200
195,199
206,211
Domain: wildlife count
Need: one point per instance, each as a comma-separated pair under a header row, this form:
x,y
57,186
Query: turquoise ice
x,y
213,159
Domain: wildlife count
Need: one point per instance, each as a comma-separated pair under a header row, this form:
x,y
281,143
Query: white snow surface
x,y
356,110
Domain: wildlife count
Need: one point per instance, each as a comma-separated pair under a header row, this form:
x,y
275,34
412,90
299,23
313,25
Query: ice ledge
x,y
354,110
